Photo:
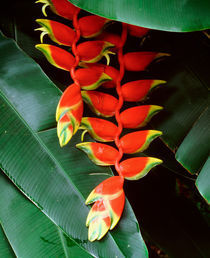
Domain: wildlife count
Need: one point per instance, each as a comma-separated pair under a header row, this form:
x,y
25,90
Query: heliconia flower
x,y
93,51
136,168
99,153
60,7
109,201
138,61
69,113
137,90
70,100
58,32
65,129
114,74
99,129
107,69
138,141
57,56
111,38
92,25
138,116
137,31
102,104
91,78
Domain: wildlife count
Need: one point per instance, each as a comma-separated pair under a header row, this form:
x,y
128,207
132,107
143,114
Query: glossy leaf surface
x,y
169,15
23,224
183,98
186,120
5,247
203,180
168,212
188,152
63,184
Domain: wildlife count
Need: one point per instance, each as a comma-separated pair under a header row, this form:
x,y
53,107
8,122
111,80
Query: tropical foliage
x,y
167,203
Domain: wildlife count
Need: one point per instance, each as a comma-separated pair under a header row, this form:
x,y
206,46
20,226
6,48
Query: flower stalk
x,y
86,66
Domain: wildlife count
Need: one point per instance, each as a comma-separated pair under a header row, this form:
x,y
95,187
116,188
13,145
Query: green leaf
x,y
169,15
170,218
29,232
203,180
5,248
49,176
185,119
195,149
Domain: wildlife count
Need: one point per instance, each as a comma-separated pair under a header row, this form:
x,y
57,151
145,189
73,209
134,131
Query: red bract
x,y
108,197
57,56
70,106
93,51
137,90
101,154
61,7
91,25
137,31
136,168
139,116
57,31
100,129
138,141
111,38
90,78
65,129
138,61
109,201
114,74
107,69
101,104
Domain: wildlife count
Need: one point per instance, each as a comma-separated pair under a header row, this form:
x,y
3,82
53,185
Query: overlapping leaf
x,y
23,223
48,175
170,15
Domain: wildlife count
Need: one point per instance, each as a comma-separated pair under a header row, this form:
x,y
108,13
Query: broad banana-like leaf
x,y
203,180
28,231
48,175
5,247
185,119
169,15
181,222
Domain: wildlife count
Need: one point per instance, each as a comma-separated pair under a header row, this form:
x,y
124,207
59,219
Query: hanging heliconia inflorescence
x,y
88,75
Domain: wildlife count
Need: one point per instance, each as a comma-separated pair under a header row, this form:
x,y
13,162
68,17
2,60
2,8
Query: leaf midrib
x,y
1,228
42,145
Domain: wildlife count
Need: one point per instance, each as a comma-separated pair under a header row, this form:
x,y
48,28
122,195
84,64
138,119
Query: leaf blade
x,y
179,16
44,175
202,181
